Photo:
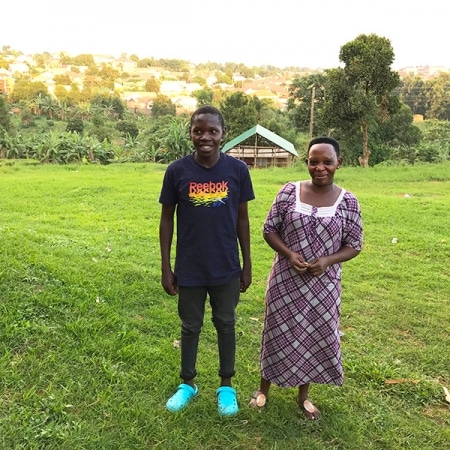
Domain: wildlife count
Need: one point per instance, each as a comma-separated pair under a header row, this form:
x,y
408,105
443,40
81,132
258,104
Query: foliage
x,y
223,78
304,110
5,120
127,128
176,142
175,65
438,97
152,85
240,114
436,131
412,92
84,59
75,125
168,140
395,139
435,146
63,79
112,105
28,90
163,106
56,148
368,82
331,102
399,130
204,96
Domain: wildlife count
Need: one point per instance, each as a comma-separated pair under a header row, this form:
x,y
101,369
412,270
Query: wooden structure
x,y
272,150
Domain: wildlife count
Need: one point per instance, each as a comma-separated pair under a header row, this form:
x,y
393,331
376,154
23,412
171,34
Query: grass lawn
x,y
87,333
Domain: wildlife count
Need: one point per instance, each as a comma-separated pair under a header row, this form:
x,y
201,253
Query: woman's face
x,y
322,163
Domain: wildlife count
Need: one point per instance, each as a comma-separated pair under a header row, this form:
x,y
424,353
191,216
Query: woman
x,y
313,226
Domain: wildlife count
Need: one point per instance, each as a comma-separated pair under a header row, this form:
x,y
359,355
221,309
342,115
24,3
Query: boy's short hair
x,y
208,109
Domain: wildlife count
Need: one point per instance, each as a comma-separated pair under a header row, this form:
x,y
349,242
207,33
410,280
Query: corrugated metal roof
x,y
265,133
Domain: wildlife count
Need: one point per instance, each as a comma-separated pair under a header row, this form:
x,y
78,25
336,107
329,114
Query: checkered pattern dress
x,y
301,342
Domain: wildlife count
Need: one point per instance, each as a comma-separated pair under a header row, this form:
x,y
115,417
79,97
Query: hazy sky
x,y
279,33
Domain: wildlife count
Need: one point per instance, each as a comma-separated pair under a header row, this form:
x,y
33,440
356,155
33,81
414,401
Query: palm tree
x,y
61,109
47,106
39,101
176,141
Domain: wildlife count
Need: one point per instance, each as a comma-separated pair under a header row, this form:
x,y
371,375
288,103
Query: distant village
x,y
174,85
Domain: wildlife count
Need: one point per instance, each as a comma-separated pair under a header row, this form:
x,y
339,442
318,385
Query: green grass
x,y
86,332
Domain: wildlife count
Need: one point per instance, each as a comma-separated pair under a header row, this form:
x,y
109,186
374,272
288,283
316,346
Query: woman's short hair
x,y
326,140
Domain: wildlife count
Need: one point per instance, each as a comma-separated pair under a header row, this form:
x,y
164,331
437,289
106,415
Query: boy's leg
x,y
224,300
191,310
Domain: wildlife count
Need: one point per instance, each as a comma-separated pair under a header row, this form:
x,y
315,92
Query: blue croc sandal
x,y
181,398
227,400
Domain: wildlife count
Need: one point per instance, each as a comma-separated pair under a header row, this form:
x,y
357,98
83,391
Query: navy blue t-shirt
x,y
207,202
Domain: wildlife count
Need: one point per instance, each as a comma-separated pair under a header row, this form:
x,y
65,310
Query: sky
x,y
280,33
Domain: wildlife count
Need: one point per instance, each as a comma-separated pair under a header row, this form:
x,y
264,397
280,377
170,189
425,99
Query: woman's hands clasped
x,y
316,266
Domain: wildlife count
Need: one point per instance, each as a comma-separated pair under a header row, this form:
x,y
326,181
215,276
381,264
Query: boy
x,y
209,191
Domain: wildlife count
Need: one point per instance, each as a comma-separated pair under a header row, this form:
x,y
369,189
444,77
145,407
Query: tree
x,y
399,130
110,105
109,74
435,146
147,62
83,60
176,142
63,79
200,80
175,65
412,93
61,109
204,96
305,103
152,85
438,97
75,126
48,106
86,93
74,93
239,112
163,106
61,93
26,90
127,128
223,78
42,60
367,70
5,121
396,138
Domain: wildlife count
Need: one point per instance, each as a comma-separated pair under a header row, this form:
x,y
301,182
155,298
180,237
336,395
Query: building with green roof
x,y
261,148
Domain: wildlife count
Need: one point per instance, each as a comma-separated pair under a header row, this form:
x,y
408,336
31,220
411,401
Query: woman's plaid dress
x,y
301,341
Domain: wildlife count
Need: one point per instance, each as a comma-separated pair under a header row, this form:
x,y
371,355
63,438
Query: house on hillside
x,y
6,81
185,103
139,102
125,64
259,147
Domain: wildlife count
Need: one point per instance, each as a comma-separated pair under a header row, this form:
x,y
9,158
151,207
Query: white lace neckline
x,y
321,211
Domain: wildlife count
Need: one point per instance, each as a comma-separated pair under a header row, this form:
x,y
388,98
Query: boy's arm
x,y
166,227
243,233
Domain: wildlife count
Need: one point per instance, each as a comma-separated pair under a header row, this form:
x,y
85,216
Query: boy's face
x,y
206,133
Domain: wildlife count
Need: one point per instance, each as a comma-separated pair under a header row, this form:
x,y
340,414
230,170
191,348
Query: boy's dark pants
x,y
191,309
